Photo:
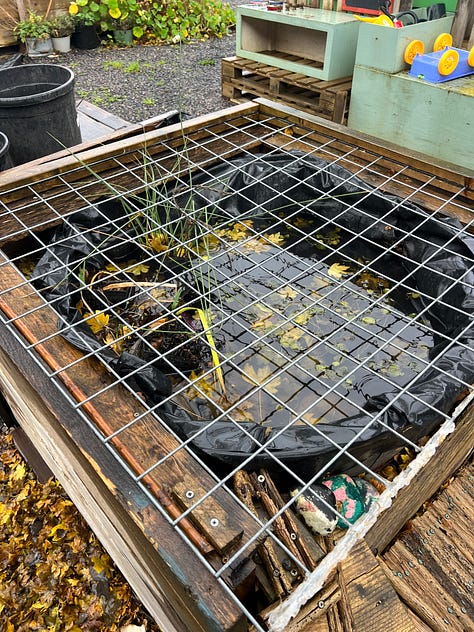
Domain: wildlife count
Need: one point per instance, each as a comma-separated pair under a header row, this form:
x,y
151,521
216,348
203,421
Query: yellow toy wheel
x,y
448,62
416,47
443,40
470,57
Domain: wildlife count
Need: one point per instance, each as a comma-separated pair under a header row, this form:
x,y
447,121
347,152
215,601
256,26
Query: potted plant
x,y
35,32
87,15
122,16
62,27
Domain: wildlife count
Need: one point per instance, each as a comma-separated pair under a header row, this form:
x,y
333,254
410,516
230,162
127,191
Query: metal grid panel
x,y
285,336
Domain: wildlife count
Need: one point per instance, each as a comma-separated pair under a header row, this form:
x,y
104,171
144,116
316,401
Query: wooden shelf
x,y
320,44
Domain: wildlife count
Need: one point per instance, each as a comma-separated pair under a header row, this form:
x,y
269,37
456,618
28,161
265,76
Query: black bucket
x,y
85,37
5,158
38,110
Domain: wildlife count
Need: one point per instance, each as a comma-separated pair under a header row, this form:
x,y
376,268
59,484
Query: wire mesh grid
x,y
245,287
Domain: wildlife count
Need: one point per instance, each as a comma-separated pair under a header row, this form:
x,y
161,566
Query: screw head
x,y
189,493
214,522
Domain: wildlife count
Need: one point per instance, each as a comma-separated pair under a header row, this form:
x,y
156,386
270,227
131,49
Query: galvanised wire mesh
x,y
276,298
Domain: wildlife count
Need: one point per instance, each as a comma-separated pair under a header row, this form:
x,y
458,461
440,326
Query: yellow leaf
x,y
54,532
101,563
263,320
303,318
259,376
337,270
140,268
255,245
110,267
19,472
291,338
98,321
237,232
275,238
287,292
311,419
159,242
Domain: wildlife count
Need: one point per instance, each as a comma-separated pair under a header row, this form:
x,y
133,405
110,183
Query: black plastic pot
x,y
38,110
85,37
5,159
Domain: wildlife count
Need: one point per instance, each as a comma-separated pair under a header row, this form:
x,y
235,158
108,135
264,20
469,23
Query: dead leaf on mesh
x,y
337,270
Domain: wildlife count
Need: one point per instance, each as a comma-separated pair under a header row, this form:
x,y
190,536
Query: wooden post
x,y
462,18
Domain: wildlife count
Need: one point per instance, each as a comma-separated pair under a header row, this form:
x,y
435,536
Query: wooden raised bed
x,y
194,571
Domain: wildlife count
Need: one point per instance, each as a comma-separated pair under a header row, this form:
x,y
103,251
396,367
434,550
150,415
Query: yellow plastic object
x,y
443,40
448,62
382,20
415,47
470,57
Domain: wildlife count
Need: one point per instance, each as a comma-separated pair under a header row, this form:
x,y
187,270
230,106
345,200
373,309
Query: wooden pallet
x,y
242,78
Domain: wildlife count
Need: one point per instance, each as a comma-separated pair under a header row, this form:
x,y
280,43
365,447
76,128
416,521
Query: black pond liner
x,y
432,267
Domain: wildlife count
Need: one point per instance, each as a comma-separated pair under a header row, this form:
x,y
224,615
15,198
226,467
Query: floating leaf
x,y
275,238
259,376
237,232
264,317
255,245
287,292
140,268
158,242
337,270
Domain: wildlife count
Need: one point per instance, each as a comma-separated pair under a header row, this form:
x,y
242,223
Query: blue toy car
x,y
443,64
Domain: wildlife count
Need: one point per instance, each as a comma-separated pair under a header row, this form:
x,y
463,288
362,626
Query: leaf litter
x,y
54,574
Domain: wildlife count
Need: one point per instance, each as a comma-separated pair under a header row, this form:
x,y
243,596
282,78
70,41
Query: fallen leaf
x,y
259,376
97,322
337,270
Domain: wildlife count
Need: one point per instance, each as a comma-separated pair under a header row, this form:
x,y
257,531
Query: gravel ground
x,y
139,82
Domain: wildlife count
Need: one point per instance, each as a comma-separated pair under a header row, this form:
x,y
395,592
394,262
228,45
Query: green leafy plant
x,y
121,14
33,27
89,12
62,25
183,19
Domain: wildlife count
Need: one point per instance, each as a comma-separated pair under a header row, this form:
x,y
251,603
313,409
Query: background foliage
x,y
154,21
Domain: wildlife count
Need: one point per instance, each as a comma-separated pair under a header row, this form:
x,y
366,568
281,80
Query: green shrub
x,y
175,20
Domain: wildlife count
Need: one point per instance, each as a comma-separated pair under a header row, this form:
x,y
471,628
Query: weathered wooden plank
x,y
448,458
59,199
375,605
327,130
142,444
31,172
142,543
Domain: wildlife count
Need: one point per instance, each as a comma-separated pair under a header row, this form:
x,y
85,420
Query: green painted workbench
x,y
436,119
